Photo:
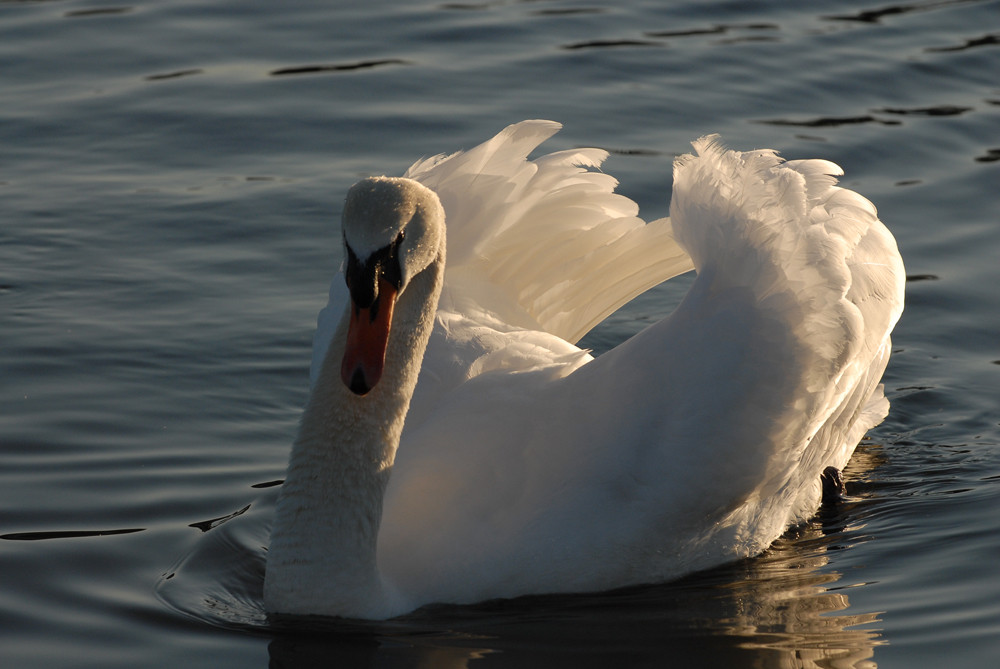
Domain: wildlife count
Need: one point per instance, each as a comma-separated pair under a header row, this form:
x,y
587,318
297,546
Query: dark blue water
x,y
170,181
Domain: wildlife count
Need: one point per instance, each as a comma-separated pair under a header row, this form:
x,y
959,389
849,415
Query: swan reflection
x,y
793,614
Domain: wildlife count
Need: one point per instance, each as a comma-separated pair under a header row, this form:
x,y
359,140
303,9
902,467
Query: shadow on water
x,y
785,608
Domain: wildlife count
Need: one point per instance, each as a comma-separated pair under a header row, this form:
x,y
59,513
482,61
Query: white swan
x,y
527,466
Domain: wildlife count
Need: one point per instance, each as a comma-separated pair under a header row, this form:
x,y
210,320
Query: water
x,y
170,179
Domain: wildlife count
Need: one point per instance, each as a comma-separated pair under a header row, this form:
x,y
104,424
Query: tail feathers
x,y
817,260
809,250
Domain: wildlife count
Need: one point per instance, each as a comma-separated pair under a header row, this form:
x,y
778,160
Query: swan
x,y
457,446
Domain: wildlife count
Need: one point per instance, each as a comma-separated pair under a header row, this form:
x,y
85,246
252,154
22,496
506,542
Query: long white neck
x,y
322,557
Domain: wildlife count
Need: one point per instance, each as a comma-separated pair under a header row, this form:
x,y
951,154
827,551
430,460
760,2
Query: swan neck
x,y
322,557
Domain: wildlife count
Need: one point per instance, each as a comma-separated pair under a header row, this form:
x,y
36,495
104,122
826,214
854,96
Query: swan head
x,y
393,229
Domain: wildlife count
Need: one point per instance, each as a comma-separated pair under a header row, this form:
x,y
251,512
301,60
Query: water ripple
x,y
337,67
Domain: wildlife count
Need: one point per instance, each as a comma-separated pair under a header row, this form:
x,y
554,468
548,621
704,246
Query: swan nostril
x,y
359,385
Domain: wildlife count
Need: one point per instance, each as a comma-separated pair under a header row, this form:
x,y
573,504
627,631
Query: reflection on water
x,y
316,650
796,613
782,609
793,610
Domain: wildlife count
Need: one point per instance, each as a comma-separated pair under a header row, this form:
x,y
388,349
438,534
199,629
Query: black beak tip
x,y
359,385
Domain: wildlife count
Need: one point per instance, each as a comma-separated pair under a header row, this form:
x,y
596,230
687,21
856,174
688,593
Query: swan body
x,y
458,446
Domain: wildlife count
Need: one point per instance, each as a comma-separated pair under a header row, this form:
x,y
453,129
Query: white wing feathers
x,y
555,242
820,263
539,244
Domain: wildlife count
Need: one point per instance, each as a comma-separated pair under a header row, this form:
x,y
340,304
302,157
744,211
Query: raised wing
x,y
544,244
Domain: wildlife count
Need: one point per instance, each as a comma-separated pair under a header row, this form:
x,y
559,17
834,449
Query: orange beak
x,y
367,338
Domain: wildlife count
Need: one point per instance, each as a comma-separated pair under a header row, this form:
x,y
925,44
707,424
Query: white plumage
x,y
528,466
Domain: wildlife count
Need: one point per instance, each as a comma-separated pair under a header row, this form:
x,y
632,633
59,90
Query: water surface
x,y
170,181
